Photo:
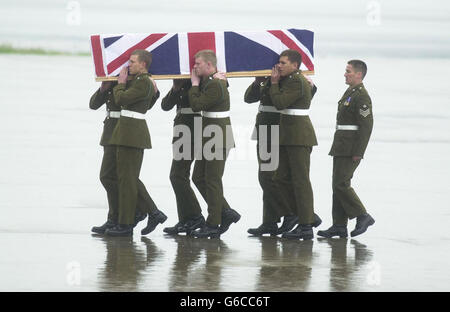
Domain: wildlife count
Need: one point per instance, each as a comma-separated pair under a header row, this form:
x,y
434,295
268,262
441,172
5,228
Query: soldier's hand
x,y
105,86
356,158
259,80
309,80
123,75
177,83
220,75
275,77
194,78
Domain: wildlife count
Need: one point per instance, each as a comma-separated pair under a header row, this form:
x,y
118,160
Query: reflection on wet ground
x,y
207,265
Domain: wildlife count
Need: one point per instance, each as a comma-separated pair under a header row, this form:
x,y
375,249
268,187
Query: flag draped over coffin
x,y
173,53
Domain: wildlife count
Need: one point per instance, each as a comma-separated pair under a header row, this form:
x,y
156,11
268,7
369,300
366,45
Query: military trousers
x,y
274,205
108,178
292,178
132,193
207,177
346,204
187,203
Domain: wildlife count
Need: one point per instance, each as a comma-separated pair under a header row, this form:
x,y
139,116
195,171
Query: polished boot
x,y
362,223
207,231
334,230
288,224
194,223
176,229
120,230
304,232
265,228
101,229
228,216
154,219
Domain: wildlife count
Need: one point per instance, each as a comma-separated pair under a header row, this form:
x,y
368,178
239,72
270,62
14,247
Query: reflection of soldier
x,y
186,274
343,274
286,270
188,254
123,266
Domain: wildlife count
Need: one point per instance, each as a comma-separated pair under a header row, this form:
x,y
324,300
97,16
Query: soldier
x,y
131,136
274,205
189,212
108,175
210,95
291,93
354,125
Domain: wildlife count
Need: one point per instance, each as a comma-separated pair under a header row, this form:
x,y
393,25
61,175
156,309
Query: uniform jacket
x,y
180,99
294,92
137,95
212,96
97,100
354,108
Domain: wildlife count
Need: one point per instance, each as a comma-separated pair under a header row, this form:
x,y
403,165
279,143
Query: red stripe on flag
x,y
125,56
98,57
200,41
292,45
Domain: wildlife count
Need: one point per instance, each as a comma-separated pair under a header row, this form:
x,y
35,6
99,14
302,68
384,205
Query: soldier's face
x,y
201,67
286,67
134,65
351,76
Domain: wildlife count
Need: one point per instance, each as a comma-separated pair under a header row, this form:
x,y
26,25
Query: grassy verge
x,y
8,49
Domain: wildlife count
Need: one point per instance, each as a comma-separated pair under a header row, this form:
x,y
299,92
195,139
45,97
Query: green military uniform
x,y
274,205
297,137
108,174
131,135
188,206
212,96
354,123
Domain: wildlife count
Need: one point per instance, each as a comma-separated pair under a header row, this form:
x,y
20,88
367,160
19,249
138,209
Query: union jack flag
x,y
173,53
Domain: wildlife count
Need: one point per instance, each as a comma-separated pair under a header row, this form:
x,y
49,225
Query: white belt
x,y
296,112
131,114
112,114
268,109
186,110
347,127
216,114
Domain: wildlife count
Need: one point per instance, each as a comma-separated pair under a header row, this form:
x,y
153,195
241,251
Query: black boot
x,y
139,216
265,228
120,230
101,229
288,224
207,231
362,223
334,230
194,223
317,221
228,216
154,219
304,232
177,228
